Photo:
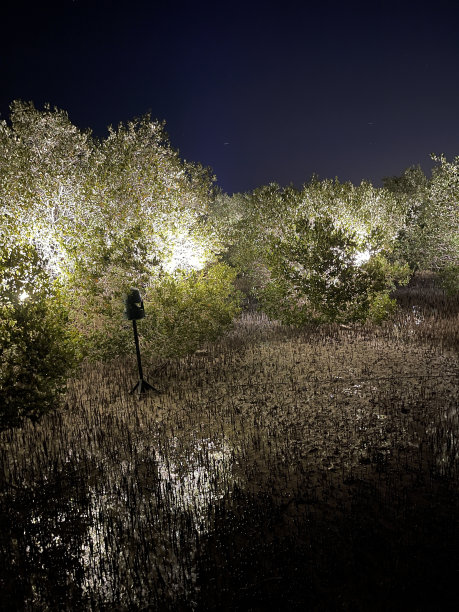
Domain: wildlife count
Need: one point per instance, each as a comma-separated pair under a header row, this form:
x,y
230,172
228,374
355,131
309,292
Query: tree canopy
x,y
102,216
319,253
82,220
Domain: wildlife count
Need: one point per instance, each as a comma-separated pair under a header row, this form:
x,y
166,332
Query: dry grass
x,y
314,469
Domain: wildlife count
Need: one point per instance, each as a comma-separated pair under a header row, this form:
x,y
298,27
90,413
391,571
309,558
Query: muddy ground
x,y
278,470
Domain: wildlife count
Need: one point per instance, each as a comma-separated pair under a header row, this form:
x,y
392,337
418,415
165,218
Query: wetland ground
x,y
278,470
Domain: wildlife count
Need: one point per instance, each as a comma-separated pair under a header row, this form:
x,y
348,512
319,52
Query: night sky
x,y
259,91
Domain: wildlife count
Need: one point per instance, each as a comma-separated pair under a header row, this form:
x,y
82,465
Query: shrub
x,y
301,253
183,310
36,349
449,277
316,276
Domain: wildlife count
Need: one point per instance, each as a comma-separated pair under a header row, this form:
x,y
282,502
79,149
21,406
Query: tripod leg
x,y
143,386
147,387
136,387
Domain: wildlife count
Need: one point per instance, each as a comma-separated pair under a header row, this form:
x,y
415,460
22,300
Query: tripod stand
x,y
142,385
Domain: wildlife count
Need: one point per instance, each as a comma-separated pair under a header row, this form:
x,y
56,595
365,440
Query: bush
x,y
316,277
183,310
125,211
449,277
36,350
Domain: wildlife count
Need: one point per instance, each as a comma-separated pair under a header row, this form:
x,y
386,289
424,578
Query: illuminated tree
x,y
148,228
429,239
318,274
44,165
442,222
317,254
107,215
412,189
36,347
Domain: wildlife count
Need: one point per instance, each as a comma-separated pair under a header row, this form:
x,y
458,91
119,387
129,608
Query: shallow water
x,y
277,470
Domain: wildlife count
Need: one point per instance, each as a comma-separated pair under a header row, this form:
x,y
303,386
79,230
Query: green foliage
x,y
412,182
301,252
184,307
381,307
429,239
83,201
185,310
449,277
442,217
411,188
315,277
182,311
126,211
36,349
108,215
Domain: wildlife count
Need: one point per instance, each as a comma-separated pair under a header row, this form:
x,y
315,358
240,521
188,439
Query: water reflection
x,y
152,518
197,481
410,320
255,495
443,433
43,528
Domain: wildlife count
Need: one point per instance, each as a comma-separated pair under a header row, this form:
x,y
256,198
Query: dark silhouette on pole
x,y
133,312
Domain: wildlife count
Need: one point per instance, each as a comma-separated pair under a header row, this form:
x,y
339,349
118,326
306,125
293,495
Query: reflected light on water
x,y
189,482
203,478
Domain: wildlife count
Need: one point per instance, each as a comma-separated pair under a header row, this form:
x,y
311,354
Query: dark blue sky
x,y
259,91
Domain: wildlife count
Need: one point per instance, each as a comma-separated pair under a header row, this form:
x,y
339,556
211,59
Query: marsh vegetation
x,y
279,469
303,453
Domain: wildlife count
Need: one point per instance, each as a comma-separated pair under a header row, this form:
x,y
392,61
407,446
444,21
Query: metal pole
x,y
137,348
142,386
